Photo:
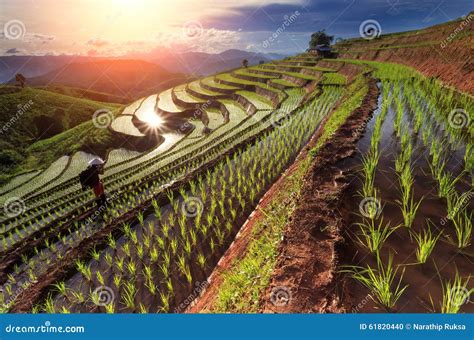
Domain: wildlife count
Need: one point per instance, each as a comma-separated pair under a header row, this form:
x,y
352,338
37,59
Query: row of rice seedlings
x,y
403,167
371,159
398,121
457,205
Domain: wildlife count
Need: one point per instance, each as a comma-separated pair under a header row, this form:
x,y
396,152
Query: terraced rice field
x,y
173,210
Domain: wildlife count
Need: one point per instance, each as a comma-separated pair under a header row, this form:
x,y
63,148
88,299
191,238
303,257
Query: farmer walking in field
x,y
91,178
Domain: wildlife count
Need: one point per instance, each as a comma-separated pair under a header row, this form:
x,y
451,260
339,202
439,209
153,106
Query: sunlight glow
x,y
153,119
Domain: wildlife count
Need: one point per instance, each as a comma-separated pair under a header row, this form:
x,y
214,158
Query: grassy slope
x,y
86,94
443,51
50,126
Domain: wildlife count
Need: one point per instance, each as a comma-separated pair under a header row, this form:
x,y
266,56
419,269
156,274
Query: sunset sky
x,y
118,27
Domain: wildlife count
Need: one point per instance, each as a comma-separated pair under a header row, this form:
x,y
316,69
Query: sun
x,y
153,119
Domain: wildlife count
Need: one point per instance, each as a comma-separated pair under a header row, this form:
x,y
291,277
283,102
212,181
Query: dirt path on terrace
x,y
303,280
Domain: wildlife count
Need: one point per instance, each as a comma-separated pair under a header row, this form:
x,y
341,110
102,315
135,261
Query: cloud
x,y
43,37
98,42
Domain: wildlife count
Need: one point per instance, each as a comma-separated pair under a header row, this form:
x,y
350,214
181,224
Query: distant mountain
x,y
33,66
128,76
124,78
200,63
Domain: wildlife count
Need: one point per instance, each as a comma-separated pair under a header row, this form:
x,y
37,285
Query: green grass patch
x,y
250,275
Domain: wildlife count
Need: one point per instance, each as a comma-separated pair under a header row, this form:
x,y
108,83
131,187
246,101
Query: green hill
x,y
86,94
36,126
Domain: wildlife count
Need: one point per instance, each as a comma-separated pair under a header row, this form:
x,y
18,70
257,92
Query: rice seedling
x,y
426,242
373,234
463,228
369,166
455,294
380,281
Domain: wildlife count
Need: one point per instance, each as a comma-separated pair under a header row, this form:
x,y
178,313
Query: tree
x,y
245,62
320,38
20,79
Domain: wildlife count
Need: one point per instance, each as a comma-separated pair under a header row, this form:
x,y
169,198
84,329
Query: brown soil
x,y
307,254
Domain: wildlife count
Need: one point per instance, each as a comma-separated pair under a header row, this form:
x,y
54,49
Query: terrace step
x,y
240,74
197,90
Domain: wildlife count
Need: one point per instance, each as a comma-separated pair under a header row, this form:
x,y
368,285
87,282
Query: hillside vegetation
x,y
33,121
442,51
